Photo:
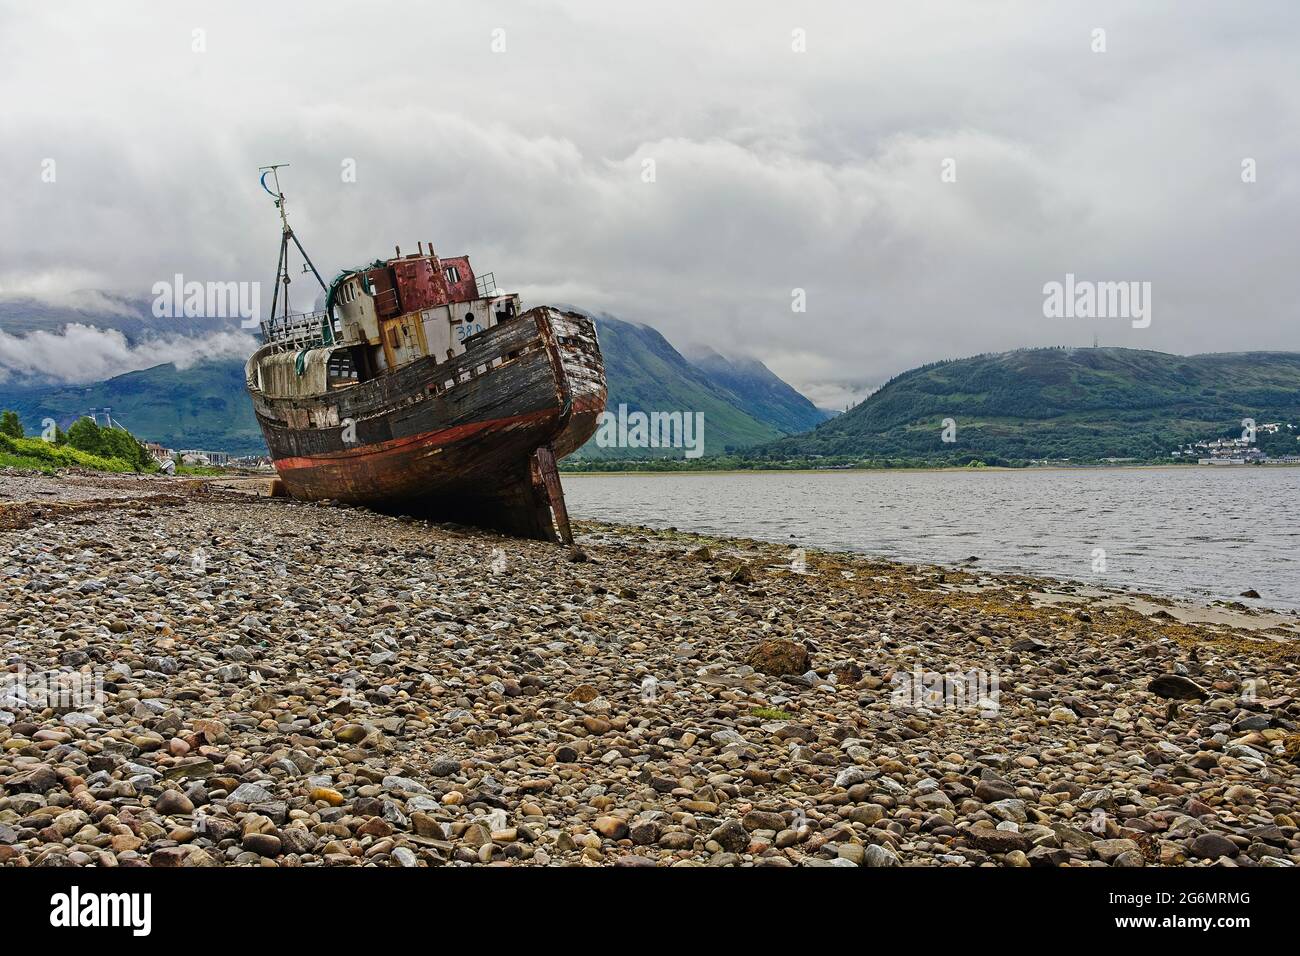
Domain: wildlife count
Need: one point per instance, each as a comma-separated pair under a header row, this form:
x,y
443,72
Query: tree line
x,y
84,435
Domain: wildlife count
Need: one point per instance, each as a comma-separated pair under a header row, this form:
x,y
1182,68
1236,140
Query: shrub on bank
x,y
46,456
85,435
10,425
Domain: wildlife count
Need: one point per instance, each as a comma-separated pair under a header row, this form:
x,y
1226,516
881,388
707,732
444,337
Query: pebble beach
x,y
192,676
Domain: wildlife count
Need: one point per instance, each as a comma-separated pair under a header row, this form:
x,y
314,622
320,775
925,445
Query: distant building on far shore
x,y
1233,456
1234,451
196,456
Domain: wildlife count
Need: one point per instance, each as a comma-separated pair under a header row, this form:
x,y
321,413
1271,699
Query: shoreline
x,y
962,469
1227,602
290,684
1280,624
1187,604
1192,608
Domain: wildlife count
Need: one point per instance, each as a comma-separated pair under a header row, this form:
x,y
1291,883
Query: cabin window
x,y
453,274
341,369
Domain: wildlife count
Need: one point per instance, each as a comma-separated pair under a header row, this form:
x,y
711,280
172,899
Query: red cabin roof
x,y
417,282
459,277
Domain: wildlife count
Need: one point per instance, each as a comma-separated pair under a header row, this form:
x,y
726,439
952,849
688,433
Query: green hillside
x,y
1080,404
204,406
647,374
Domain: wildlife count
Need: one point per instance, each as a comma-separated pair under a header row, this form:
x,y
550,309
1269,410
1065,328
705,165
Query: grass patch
x,y
46,456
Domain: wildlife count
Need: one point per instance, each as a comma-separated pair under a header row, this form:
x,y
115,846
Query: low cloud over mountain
x,y
79,353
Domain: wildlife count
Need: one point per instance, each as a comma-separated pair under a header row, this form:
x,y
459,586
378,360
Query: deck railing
x,y
301,330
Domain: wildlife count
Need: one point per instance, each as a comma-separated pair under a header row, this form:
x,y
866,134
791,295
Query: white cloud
x,y
82,353
75,289
774,170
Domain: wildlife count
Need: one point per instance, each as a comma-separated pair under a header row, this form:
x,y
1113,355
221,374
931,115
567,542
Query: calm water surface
x,y
1203,532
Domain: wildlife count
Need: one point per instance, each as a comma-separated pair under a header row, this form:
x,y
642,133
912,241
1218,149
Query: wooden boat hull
x,y
456,440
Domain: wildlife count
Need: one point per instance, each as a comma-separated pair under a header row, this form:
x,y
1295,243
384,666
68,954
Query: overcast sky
x,y
775,169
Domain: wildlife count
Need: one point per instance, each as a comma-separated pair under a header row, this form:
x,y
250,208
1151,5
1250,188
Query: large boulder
x,y
1177,687
778,657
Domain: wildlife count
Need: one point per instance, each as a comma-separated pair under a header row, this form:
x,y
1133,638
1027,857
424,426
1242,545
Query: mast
x,y
282,268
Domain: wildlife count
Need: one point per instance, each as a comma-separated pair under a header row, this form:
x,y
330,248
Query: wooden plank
x,y
554,491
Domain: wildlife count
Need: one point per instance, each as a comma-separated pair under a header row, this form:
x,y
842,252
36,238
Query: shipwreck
x,y
422,388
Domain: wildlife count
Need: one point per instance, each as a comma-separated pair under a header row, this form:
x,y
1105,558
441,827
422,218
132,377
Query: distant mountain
x,y
205,406
645,373
760,392
1081,404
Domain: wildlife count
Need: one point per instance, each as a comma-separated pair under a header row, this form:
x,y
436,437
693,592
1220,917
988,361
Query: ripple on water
x,y
1056,518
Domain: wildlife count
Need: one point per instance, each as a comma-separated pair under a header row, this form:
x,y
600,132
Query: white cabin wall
x,y
359,319
437,331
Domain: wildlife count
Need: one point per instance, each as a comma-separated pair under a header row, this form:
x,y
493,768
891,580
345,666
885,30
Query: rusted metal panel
x,y
384,291
419,284
459,277
403,339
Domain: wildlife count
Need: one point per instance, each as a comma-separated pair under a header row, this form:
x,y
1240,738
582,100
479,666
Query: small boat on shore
x,y
422,388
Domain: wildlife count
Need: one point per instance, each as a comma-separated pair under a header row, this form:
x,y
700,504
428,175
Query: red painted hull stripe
x,y
394,446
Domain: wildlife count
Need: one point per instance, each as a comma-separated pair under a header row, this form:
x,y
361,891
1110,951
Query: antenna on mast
x,y
278,193
286,234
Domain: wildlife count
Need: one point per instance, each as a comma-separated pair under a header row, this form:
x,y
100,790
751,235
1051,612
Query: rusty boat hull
x,y
472,439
